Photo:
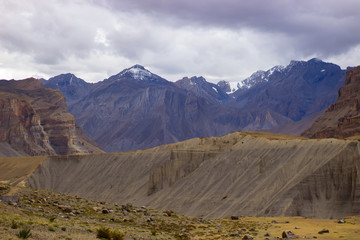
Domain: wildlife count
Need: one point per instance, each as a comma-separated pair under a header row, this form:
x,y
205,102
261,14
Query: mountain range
x,y
137,109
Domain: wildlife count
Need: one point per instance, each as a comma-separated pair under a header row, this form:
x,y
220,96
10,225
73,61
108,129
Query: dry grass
x,y
39,210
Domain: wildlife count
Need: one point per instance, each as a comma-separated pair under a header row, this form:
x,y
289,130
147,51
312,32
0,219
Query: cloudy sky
x,y
218,39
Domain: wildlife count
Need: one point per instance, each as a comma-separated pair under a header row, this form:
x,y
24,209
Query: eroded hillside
x,y
237,174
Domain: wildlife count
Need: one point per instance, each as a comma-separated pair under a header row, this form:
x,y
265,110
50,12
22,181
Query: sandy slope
x,y
14,169
237,174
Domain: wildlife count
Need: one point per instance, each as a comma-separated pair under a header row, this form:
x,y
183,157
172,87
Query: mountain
x,y
240,174
137,109
341,119
201,88
34,120
296,91
72,87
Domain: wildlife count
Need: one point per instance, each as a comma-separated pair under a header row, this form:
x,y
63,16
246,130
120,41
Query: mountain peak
x,y
138,66
137,72
315,60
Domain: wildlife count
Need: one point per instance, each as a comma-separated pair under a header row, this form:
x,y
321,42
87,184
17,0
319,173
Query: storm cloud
x,y
226,39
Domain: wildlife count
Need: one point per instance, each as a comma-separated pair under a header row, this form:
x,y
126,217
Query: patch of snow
x,y
323,70
138,72
234,86
278,68
215,89
71,79
192,83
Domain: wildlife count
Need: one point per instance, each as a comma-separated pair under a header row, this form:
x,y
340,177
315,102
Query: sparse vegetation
x,y
89,221
24,233
14,224
51,229
106,233
103,233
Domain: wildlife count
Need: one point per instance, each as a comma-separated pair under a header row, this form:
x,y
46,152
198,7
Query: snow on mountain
x,y
234,86
255,78
137,71
260,76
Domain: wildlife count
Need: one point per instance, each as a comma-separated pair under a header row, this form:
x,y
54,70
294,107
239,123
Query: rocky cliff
x,y
341,119
34,120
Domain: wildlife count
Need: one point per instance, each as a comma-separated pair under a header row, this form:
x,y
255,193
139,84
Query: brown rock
x,y
248,236
168,213
35,120
324,231
341,119
288,234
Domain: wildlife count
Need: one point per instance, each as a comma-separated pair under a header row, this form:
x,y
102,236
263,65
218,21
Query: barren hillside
x,y
237,174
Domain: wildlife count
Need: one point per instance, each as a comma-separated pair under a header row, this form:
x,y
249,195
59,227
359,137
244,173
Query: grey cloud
x,y
316,27
227,39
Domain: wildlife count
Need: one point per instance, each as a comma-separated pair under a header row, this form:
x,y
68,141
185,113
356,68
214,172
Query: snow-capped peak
x,y
138,72
255,78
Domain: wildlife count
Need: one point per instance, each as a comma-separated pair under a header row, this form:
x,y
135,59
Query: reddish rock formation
x,y
341,119
34,120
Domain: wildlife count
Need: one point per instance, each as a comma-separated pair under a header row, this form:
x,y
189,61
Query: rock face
x,y
34,120
237,174
341,119
201,88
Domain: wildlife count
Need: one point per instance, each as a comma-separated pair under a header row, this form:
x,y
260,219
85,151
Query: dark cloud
x,y
315,27
227,39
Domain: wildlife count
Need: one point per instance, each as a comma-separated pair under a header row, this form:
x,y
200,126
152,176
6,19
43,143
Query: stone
x,y
168,213
324,231
288,234
341,221
234,235
234,218
248,236
65,208
105,211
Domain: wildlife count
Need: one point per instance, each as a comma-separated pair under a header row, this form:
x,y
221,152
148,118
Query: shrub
x,y
117,236
106,233
24,233
14,224
51,229
103,232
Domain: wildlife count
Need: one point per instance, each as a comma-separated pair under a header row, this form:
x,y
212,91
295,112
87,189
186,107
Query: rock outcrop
x,y
34,120
341,119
